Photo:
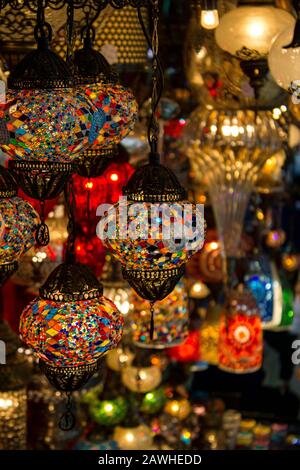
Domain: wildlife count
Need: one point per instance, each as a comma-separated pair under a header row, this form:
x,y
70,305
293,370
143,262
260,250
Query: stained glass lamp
x,y
240,340
70,326
115,108
171,319
18,224
151,263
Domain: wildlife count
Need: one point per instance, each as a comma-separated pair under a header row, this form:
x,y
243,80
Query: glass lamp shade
x,y
240,340
170,316
18,225
108,412
120,296
263,281
209,19
153,401
115,115
188,351
179,408
247,32
119,358
229,148
177,433
141,379
143,249
71,333
284,63
46,125
135,438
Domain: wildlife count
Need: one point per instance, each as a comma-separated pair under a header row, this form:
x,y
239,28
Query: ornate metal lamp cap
x,y
92,67
41,69
71,282
154,183
8,186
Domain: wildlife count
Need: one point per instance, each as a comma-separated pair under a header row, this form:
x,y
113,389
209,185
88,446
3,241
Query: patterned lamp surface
x,y
71,325
240,340
46,125
153,262
171,319
18,221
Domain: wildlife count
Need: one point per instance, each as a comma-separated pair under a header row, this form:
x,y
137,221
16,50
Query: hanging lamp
x,y
153,263
116,107
47,123
18,225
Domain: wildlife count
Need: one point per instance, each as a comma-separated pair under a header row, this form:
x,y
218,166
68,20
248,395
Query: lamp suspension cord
x,y
157,80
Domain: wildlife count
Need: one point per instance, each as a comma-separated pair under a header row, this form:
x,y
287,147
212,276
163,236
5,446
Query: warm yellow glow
x,y
129,437
255,28
260,215
209,19
5,403
214,245
199,290
114,177
175,406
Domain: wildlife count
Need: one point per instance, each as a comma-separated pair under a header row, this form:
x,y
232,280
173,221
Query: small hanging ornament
x,y
18,224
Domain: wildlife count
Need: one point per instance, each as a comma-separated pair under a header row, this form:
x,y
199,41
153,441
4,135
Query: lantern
x,y
247,32
119,358
70,326
151,263
209,14
178,408
115,108
240,340
199,290
189,351
14,375
263,281
171,320
229,148
108,412
133,438
153,401
18,224
141,379
47,122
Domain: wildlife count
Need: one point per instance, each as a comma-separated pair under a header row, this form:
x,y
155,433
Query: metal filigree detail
x,y
8,186
154,183
71,282
7,270
93,162
41,180
71,378
248,54
153,284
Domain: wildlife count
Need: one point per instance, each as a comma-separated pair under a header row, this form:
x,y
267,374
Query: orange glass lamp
x,y
240,341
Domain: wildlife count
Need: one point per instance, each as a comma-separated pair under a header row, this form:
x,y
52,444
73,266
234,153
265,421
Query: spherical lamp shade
x,y
178,408
170,315
119,358
18,224
141,379
108,412
247,32
284,62
153,401
153,262
240,340
71,325
133,438
46,125
188,351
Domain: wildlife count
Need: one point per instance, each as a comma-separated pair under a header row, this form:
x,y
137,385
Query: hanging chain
x,y
67,421
154,125
71,207
70,31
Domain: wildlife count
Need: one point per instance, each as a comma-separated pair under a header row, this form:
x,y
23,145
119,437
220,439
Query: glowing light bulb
x,y
108,408
89,185
114,177
209,19
129,437
5,403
